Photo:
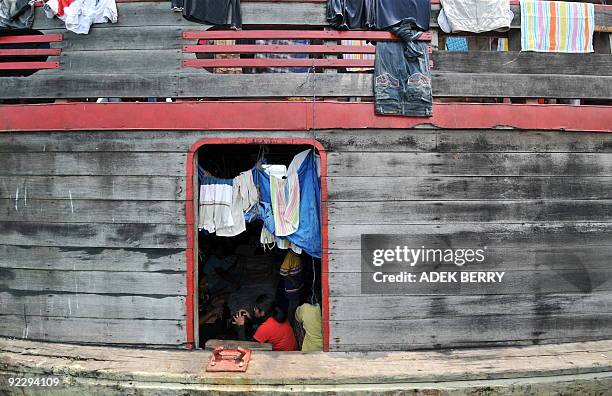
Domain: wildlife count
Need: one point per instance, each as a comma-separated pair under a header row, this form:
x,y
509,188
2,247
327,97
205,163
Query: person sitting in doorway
x,y
274,328
309,316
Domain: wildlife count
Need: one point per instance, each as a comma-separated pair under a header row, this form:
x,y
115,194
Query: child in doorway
x,y
274,327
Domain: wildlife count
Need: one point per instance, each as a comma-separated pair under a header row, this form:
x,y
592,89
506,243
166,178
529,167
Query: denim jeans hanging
x,y
402,82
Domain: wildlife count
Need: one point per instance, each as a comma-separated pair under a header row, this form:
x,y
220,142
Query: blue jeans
x,y
402,82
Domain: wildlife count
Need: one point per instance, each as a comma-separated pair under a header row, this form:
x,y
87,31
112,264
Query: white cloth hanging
x,y
79,15
248,190
215,207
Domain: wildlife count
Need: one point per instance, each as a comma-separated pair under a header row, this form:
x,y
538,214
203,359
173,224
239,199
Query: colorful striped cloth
x,y
503,44
357,56
282,56
557,26
285,197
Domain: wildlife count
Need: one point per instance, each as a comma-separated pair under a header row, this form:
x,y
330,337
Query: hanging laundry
x,y
351,14
269,241
212,12
237,214
16,14
248,190
456,44
215,204
377,14
357,56
285,200
402,81
282,56
79,15
475,16
556,26
308,234
390,13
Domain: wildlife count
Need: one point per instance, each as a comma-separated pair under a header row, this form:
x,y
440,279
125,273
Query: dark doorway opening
x,y
234,270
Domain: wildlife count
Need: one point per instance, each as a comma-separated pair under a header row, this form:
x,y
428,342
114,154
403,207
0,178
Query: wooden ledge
x,y
587,359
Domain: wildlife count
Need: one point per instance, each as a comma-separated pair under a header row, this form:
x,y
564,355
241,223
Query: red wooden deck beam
x,y
46,38
330,63
31,52
281,49
295,35
290,115
28,65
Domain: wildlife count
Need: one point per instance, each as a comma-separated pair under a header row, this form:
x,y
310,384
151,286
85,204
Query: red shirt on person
x,y
280,335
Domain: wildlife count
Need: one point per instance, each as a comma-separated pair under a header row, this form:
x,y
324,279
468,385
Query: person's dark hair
x,y
270,308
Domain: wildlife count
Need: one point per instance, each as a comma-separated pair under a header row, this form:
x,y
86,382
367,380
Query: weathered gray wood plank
x,y
191,83
494,345
93,187
159,14
92,306
99,331
521,236
332,140
127,62
427,212
66,85
93,282
428,307
92,259
462,141
110,37
513,282
92,211
133,141
94,164
194,84
488,85
94,235
522,63
526,141
469,164
467,188
504,259
430,333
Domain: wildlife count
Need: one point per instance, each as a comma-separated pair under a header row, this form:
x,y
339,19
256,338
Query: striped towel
x,y
557,26
356,56
285,197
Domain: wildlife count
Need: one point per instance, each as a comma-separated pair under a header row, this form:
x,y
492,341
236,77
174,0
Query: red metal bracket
x,y
46,38
29,65
229,360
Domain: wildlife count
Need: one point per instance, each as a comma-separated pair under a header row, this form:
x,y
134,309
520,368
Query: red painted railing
x,y
29,52
318,49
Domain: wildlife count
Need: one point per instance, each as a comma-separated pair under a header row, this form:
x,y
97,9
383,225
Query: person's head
x,y
266,307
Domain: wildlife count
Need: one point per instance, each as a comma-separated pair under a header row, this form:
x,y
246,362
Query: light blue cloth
x,y
308,234
456,44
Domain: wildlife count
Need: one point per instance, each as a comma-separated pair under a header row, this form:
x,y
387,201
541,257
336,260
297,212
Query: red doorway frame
x,y
190,217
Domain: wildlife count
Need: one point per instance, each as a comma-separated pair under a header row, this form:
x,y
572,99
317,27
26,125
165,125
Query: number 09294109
x,y
33,381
